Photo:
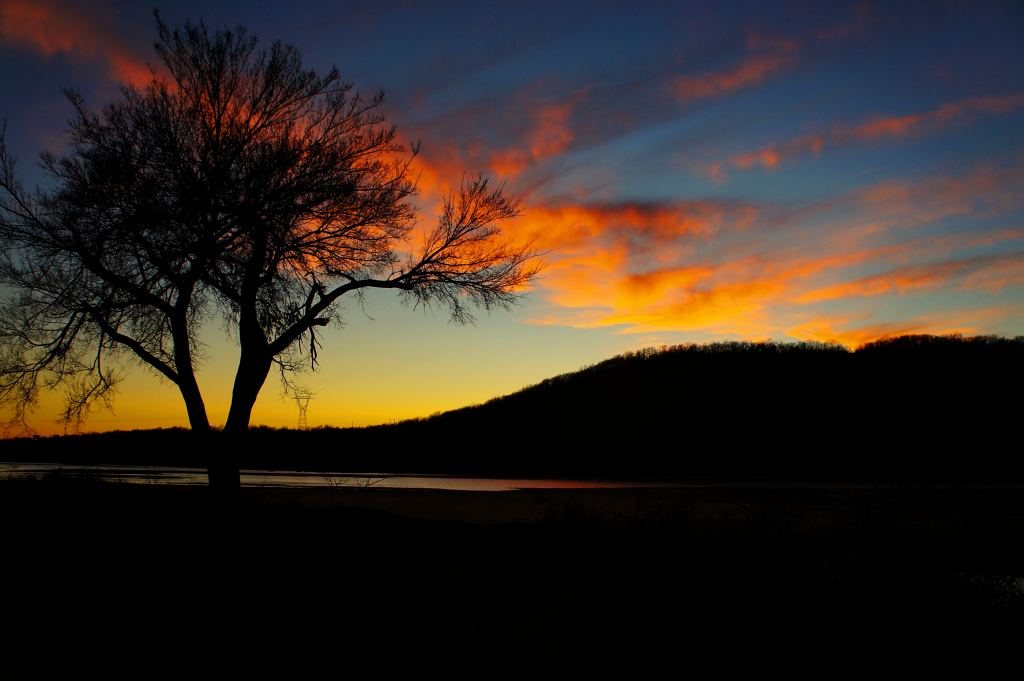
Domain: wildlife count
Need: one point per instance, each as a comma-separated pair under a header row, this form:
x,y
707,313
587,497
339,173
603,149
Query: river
x,y
168,475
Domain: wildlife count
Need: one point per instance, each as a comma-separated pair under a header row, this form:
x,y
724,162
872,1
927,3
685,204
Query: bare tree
x,y
246,188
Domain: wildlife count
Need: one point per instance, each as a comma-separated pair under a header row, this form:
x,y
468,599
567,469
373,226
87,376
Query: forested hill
x,y
750,409
918,406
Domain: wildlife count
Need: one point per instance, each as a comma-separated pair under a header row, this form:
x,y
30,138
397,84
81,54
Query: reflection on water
x,y
167,475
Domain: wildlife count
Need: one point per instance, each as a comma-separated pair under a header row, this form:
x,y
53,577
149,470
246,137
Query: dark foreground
x,y
106,575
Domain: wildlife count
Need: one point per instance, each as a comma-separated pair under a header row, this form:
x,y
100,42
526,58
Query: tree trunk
x,y
222,475
253,367
195,406
222,468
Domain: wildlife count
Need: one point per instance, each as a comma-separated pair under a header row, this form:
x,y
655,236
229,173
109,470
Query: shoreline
x,y
259,478
941,511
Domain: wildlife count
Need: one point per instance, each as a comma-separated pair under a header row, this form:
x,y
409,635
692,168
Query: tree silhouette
x,y
245,188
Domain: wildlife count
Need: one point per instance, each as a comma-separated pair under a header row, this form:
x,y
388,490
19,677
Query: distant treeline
x,y
911,407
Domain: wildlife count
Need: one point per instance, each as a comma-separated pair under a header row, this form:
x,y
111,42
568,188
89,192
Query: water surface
x,y
169,475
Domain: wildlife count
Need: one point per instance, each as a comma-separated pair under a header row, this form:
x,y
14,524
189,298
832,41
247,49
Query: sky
x,y
693,171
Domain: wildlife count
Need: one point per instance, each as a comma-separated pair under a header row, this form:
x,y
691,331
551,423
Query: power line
x,y
162,418
302,398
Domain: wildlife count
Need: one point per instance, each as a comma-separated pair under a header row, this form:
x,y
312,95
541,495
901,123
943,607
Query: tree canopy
x,y
244,186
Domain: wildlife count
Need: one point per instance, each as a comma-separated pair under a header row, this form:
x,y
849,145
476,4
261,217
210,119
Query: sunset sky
x,y
695,171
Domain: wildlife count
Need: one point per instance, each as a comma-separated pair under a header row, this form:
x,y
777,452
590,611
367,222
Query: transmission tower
x,y
302,398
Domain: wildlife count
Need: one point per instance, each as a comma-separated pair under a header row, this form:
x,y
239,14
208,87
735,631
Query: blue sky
x,y
695,171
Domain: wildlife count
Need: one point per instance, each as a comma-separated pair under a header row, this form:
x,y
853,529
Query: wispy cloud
x,y
751,71
510,144
877,128
549,135
770,58
856,330
636,226
1010,269
841,331
52,27
859,18
717,267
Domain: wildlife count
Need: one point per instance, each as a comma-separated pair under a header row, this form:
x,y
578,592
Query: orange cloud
x,y
727,307
438,172
630,235
442,165
772,56
986,193
733,296
668,267
52,28
673,268
852,332
772,156
905,205
898,281
752,71
826,330
640,290
626,264
1007,271
550,135
930,120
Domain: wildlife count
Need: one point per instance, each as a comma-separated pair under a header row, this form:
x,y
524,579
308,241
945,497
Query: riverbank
x,y
718,576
